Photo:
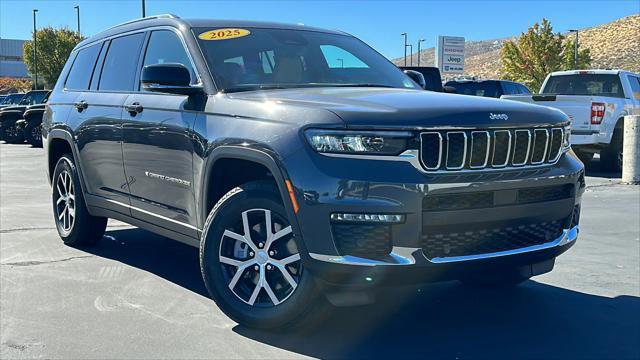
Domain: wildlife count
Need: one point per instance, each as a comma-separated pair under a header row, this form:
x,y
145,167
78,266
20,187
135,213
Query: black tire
x,y
611,156
33,134
502,280
585,157
81,228
294,302
10,133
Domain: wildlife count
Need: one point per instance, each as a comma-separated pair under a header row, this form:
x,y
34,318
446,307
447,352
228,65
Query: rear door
x,y
98,117
159,143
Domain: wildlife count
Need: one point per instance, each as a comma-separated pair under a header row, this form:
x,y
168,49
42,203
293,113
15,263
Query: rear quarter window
x,y
82,68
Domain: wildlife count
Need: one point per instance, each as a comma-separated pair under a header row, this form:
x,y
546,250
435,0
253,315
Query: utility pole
x,y
77,7
35,46
411,54
575,54
419,41
144,11
405,48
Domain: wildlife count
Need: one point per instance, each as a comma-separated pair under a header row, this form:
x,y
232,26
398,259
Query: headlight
x,y
566,141
359,142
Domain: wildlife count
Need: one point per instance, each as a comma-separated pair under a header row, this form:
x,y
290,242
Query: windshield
x,y
12,99
585,84
254,58
33,98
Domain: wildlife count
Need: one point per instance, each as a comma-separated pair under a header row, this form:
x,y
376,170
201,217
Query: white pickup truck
x,y
596,101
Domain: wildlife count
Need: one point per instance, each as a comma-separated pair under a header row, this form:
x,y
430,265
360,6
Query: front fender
x,y
259,154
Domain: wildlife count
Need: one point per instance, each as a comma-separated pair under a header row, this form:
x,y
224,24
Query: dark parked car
x,y
31,124
303,164
487,88
433,80
11,99
11,130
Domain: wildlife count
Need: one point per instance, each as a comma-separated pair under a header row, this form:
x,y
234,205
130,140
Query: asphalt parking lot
x,y
139,295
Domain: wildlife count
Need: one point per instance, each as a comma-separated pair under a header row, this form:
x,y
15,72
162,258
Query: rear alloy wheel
x,y
11,133
33,134
611,156
73,222
65,205
251,261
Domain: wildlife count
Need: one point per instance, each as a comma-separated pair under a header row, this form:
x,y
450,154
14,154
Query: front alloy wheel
x,y
250,259
262,266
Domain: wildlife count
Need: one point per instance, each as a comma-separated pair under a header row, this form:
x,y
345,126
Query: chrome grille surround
x,y
503,150
536,133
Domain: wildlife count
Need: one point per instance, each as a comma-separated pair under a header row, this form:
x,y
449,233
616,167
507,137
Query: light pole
x,y
419,41
405,48
575,54
410,54
144,11
35,46
77,7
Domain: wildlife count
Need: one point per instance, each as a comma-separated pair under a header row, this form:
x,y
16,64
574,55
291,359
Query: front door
x,y
158,146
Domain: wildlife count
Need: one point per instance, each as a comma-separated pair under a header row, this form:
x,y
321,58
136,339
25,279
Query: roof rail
x,y
161,16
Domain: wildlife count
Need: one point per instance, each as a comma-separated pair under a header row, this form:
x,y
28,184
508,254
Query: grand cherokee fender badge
x,y
168,178
493,116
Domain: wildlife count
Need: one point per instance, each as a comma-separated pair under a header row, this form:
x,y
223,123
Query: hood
x,y
17,108
411,109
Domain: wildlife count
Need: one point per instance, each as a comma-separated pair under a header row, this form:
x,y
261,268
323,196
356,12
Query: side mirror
x,y
417,77
168,78
449,89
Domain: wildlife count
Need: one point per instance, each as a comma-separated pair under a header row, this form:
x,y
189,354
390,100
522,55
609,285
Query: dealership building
x,y
11,59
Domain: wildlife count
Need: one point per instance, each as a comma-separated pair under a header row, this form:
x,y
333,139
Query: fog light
x,y
368,218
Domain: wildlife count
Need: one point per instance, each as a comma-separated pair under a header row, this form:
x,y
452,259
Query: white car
x,y
596,101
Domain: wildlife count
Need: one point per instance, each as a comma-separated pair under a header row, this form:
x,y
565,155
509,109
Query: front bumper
x,y
334,185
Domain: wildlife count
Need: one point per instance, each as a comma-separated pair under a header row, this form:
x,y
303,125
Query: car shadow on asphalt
x,y
534,320
169,259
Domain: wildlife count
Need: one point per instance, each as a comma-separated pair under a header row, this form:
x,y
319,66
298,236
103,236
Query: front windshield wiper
x,y
257,87
253,87
361,85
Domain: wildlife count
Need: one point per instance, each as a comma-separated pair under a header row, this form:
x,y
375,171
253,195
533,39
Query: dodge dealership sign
x,y
450,54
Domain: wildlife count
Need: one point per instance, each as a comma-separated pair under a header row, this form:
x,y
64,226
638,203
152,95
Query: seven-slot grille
x,y
452,150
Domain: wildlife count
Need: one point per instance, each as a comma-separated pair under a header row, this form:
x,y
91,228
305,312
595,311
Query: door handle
x,y
81,105
134,109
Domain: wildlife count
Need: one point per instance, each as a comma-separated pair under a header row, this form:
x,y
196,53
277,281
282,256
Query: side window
x,y
634,81
523,89
119,68
509,88
337,57
165,47
82,68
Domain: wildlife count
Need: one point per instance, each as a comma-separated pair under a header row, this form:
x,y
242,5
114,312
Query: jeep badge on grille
x,y
493,116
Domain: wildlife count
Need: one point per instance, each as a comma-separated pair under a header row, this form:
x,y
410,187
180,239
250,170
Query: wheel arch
x,y
260,157
58,143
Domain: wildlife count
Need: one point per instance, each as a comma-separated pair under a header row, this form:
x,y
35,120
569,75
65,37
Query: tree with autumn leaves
x,y
538,52
53,49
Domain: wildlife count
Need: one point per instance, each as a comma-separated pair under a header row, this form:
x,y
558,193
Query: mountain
x,y
615,45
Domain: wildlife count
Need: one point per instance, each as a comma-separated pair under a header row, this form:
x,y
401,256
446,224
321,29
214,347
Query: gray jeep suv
x,y
301,162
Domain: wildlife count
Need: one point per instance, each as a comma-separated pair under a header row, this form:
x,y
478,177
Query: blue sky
x,y
378,23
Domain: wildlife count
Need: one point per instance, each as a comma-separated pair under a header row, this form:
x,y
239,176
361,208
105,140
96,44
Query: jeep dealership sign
x,y
450,54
